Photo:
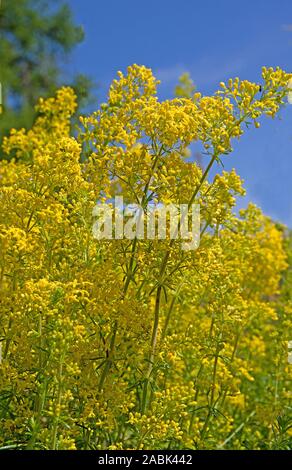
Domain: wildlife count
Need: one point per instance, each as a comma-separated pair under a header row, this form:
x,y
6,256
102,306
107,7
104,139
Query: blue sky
x,y
212,40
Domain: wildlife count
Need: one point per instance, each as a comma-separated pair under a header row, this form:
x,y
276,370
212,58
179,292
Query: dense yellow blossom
x,y
132,344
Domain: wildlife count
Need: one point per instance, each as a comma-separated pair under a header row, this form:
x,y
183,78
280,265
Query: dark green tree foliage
x,y
36,36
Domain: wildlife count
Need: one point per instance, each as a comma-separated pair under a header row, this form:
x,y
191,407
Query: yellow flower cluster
x,y
132,344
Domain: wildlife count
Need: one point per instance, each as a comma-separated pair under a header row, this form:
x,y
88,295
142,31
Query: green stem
x,y
59,401
129,277
205,427
231,360
159,290
152,348
109,361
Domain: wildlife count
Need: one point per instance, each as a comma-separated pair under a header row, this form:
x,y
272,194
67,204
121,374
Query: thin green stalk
x,y
152,348
59,401
235,347
129,277
211,404
239,428
108,362
159,290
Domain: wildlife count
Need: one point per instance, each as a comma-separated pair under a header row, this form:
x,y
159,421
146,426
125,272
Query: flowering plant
x,y
132,344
